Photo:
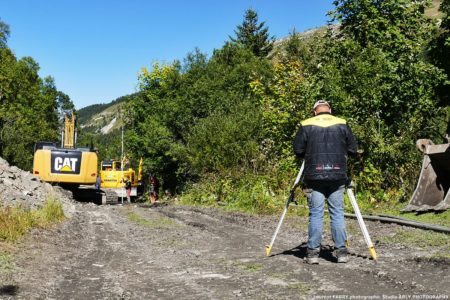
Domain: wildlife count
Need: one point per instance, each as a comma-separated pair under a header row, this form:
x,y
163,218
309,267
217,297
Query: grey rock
x,y
18,187
27,193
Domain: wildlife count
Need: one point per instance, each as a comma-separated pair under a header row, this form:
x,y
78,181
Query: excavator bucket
x,y
432,190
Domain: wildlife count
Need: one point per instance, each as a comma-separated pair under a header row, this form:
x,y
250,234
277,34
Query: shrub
x,y
16,221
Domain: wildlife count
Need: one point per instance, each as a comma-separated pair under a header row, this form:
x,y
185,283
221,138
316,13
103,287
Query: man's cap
x,y
321,102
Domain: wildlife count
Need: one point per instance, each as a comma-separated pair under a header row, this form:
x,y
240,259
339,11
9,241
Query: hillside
x,y
104,121
103,118
433,10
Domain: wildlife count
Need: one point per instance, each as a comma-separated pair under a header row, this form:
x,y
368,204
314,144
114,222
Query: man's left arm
x,y
300,143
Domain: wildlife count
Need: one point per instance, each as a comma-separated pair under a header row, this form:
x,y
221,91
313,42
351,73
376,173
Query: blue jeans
x,y
333,191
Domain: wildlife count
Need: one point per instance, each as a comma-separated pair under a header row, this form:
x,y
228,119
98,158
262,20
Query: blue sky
x,y
95,48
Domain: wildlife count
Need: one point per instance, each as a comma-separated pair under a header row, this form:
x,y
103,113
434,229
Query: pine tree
x,y
253,35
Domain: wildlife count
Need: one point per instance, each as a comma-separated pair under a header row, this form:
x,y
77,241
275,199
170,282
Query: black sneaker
x,y
342,255
312,256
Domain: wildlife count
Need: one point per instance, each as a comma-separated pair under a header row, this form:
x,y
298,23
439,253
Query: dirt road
x,y
173,252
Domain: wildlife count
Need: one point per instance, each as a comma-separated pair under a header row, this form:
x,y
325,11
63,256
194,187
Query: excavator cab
x,y
432,190
66,165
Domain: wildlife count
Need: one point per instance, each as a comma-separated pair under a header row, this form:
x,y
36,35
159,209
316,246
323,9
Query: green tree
x,y
293,46
253,35
395,26
226,140
375,74
4,34
440,55
371,68
283,104
180,104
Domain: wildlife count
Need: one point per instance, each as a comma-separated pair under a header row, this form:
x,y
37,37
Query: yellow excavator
x,y
114,174
66,165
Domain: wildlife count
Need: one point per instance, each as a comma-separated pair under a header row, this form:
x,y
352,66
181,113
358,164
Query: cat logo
x,y
66,162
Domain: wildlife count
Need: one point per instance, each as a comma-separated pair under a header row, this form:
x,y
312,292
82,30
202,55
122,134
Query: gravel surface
x,y
176,252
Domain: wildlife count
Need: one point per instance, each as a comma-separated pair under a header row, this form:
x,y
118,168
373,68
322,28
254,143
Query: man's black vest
x,y
324,141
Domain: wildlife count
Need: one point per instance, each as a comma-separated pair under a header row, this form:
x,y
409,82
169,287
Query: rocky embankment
x,y
21,188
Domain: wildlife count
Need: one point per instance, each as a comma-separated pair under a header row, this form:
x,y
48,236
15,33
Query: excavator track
x,y
110,197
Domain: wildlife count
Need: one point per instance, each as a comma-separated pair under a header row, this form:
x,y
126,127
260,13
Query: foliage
x,y
235,141
196,116
225,124
4,34
439,54
51,212
393,25
15,222
375,49
284,103
253,35
219,129
371,48
244,191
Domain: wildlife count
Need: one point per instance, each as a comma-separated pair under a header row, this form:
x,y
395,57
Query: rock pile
x,y
18,187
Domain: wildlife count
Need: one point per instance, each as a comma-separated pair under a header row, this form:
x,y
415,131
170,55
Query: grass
x,y
420,238
395,209
248,266
160,222
6,264
441,218
252,267
440,256
303,288
16,221
240,191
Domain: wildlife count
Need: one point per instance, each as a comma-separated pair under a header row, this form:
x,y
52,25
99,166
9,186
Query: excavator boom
x,y
69,139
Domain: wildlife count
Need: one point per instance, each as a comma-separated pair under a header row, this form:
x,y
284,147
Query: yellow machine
x,y
114,174
66,165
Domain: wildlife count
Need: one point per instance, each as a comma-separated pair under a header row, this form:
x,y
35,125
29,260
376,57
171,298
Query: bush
x,y
15,221
252,193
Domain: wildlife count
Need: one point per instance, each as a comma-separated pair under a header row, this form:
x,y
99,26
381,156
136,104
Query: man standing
x,y
98,182
128,189
325,141
154,189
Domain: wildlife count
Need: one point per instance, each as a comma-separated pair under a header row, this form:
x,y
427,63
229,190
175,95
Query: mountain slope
x,y
103,118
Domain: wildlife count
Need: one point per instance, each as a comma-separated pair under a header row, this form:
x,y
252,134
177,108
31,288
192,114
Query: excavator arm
x,y
70,135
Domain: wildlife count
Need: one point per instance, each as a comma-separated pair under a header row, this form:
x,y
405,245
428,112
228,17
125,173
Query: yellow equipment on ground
x,y
65,165
114,174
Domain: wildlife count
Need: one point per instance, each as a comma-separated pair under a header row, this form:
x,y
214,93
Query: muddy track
x,y
168,252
